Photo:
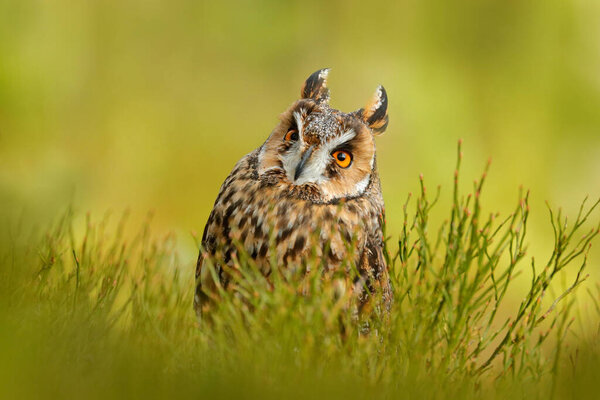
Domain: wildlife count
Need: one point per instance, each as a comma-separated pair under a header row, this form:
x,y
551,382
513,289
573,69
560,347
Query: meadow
x,y
119,121
106,314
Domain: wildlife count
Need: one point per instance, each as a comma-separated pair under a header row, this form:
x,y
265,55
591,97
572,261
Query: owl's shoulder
x,y
246,167
243,173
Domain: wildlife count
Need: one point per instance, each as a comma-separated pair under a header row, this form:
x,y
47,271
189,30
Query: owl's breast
x,y
259,218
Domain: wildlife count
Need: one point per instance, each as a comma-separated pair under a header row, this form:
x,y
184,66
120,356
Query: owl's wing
x,y
373,269
216,231
378,266
200,297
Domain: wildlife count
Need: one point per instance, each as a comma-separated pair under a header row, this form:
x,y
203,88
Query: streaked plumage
x,y
313,185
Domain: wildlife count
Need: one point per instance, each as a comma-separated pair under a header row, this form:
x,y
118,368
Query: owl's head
x,y
320,153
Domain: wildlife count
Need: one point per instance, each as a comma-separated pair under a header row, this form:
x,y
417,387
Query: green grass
x,y
107,313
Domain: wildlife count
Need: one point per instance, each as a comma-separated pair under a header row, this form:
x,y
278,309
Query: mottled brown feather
x,y
263,207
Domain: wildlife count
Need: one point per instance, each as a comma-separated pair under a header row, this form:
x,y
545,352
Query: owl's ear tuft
x,y
375,112
315,87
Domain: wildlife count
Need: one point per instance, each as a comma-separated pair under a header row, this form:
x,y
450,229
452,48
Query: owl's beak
x,y
302,162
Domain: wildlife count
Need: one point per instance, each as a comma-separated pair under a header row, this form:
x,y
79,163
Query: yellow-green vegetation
x,y
105,314
147,105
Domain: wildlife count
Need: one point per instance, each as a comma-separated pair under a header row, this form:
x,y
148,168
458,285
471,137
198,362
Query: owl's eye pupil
x,y
341,156
294,135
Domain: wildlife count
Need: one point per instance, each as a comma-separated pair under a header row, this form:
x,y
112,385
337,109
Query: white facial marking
x,y
340,140
362,185
314,168
299,121
291,159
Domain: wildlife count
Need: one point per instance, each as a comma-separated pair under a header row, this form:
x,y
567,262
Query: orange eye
x,y
342,158
292,135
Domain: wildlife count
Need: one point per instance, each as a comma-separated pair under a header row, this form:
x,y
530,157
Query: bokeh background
x,y
147,105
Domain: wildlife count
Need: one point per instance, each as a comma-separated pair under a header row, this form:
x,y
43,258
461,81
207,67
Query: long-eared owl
x,y
316,172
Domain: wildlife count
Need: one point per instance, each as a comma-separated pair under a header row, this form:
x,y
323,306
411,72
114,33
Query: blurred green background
x,y
148,104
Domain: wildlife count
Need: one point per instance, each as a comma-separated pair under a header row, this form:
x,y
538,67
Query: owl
x,y
310,189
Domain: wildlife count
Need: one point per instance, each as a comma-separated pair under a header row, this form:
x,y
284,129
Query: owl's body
x,y
311,189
